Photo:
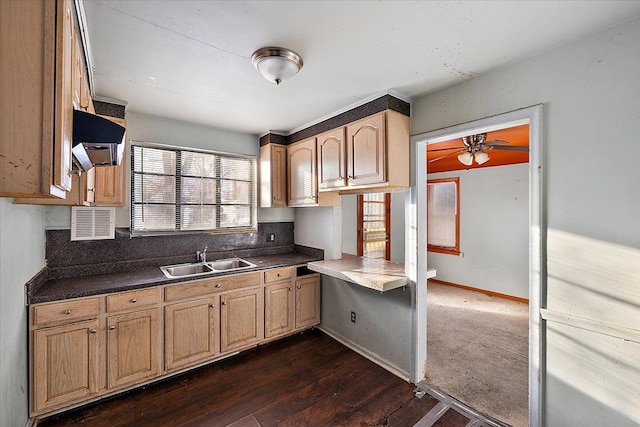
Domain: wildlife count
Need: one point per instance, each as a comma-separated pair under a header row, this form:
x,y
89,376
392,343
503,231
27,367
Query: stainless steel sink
x,y
229,264
209,268
181,270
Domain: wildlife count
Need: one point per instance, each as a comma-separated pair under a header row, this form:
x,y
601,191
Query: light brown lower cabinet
x,y
241,315
190,332
84,348
65,365
279,310
307,301
289,308
133,348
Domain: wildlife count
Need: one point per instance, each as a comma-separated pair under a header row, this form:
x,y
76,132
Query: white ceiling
x,y
191,60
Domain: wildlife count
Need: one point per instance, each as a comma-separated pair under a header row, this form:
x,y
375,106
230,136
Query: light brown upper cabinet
x,y
37,46
331,159
273,176
367,154
366,151
303,179
301,162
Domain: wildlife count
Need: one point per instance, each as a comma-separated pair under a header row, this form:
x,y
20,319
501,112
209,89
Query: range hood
x,y
96,141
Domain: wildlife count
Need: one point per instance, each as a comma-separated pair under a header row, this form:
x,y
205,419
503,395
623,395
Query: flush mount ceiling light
x,y
276,64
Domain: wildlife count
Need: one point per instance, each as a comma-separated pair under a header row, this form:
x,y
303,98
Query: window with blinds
x,y
443,215
179,190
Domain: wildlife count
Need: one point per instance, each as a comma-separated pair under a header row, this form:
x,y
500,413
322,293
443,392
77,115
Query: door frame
x,y
416,237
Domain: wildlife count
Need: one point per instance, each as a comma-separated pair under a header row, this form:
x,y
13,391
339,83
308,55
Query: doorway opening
x,y
417,265
477,241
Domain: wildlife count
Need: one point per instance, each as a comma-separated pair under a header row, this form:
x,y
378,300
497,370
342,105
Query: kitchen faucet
x,y
202,256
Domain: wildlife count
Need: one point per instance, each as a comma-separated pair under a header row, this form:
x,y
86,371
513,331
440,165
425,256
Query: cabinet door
x,y
279,309
366,163
63,122
302,173
273,176
109,181
133,350
190,332
65,365
109,185
331,159
307,301
240,319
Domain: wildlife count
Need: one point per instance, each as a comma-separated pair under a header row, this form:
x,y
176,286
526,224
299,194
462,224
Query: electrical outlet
x,y
353,316
271,237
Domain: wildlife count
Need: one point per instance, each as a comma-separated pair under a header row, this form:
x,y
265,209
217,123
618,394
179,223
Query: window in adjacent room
x,y
443,215
374,225
184,190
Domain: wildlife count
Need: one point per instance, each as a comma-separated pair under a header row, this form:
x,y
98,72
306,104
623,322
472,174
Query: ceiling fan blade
x,y
444,149
508,148
447,155
496,142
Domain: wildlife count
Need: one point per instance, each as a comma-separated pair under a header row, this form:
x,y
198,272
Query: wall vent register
x,y
92,223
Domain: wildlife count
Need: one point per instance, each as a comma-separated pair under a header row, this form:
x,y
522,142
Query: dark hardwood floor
x,y
305,380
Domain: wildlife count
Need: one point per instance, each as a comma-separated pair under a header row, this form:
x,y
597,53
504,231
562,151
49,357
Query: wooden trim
x,y
360,216
440,249
387,225
484,291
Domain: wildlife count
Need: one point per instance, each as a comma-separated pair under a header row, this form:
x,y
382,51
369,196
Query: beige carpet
x,y
477,351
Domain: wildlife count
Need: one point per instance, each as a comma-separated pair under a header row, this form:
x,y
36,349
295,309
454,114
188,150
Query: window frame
x,y
253,187
455,250
387,224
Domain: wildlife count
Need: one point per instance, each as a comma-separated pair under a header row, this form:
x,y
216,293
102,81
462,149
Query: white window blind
x,y
441,214
178,190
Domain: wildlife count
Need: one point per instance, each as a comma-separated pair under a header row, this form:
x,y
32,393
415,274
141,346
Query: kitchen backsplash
x,y
67,259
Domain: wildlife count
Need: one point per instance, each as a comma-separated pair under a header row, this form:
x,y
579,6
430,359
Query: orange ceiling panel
x,y
515,136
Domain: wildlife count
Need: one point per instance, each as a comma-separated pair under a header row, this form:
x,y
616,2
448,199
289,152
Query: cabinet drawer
x,y
278,274
210,286
65,311
132,300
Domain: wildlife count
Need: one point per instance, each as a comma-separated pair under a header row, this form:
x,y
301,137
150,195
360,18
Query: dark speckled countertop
x,y
82,286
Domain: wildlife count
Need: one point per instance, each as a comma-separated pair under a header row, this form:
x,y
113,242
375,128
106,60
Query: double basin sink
x,y
206,268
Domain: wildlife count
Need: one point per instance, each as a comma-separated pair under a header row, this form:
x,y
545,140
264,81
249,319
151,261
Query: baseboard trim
x,y
365,353
484,291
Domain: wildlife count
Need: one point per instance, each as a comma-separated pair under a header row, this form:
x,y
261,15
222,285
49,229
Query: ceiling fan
x,y
476,147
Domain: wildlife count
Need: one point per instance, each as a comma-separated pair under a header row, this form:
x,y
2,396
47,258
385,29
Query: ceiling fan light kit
x,y
481,157
466,158
474,147
277,64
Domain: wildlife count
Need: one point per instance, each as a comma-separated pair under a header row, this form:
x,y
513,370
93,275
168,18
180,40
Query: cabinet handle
x,y
133,301
279,274
112,327
93,331
218,285
223,303
67,312
299,287
211,305
290,289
